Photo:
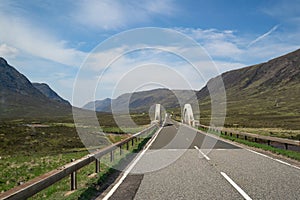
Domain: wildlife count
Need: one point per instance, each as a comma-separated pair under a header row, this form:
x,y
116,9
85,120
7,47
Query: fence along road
x,y
225,172
39,183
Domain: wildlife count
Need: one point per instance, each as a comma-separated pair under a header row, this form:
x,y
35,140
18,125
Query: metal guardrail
x,y
40,183
269,139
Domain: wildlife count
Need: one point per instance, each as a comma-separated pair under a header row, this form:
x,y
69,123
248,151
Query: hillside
x,y
263,95
49,93
20,99
142,101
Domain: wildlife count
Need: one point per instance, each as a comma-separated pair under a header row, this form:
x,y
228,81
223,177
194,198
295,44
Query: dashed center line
x,y
236,186
203,154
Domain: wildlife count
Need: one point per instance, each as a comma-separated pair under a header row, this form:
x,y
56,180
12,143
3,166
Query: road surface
x,y
183,164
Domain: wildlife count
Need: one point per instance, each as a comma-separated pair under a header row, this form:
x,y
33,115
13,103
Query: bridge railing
x,y
40,183
246,136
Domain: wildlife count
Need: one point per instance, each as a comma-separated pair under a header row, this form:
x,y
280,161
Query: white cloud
x,y
114,14
229,46
7,51
20,34
217,43
263,36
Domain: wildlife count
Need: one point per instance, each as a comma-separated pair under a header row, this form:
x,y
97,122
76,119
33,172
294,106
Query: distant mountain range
x,y
20,98
142,101
262,95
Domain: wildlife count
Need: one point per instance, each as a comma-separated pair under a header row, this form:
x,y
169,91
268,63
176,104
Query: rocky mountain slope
x,y
49,93
19,98
266,94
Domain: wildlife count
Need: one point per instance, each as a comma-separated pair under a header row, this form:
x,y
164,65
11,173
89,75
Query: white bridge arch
x,y
187,115
157,114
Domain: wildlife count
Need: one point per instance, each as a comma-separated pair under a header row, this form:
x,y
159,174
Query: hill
x,y
262,95
49,93
142,101
20,99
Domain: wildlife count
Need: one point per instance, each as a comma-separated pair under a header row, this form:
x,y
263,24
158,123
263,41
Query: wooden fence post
x,y
97,165
112,156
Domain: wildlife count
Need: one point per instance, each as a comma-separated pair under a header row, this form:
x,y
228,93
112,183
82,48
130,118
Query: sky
x,y
67,44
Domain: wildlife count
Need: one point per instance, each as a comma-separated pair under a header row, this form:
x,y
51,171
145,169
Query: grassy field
x,y
31,147
89,183
274,132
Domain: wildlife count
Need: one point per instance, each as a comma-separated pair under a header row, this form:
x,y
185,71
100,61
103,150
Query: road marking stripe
x,y
275,159
236,186
112,191
243,147
203,154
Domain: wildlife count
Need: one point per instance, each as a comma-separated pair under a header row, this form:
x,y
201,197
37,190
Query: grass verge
x,y
89,183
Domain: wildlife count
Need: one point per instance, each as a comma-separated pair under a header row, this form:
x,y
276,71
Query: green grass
x,y
17,169
20,168
29,150
253,109
88,186
274,132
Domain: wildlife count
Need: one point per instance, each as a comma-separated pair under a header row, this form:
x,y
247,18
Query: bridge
x,y
182,162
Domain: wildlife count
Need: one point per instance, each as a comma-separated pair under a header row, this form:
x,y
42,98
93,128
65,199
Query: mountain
x,y
264,95
99,105
49,93
142,101
19,98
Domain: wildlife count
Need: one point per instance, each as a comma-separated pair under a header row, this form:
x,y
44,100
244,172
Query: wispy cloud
x,y
7,51
20,34
18,31
274,28
115,14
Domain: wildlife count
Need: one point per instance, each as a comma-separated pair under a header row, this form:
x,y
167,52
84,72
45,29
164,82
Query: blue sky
x,y
48,41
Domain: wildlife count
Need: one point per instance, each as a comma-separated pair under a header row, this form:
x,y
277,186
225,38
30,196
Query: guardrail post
x,y
286,146
120,149
245,137
132,142
112,156
269,142
230,134
127,146
97,165
255,139
237,135
73,179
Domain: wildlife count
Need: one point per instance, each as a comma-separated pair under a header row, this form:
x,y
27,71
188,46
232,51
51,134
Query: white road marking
x,y
266,156
282,162
203,154
236,186
112,191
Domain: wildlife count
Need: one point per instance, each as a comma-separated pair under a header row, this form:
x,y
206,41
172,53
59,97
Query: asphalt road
x,y
184,164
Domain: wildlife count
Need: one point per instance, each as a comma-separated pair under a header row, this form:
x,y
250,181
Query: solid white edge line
x,y
261,154
112,191
275,159
236,186
203,154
